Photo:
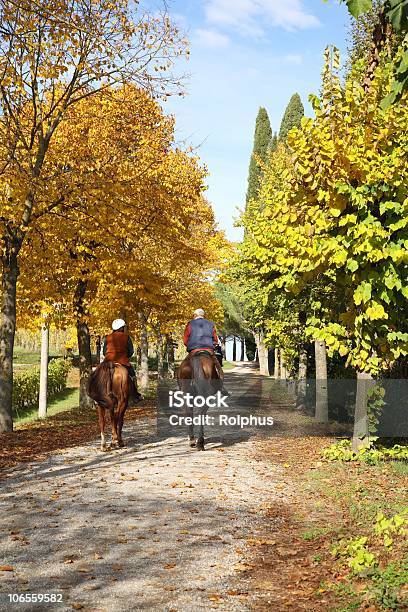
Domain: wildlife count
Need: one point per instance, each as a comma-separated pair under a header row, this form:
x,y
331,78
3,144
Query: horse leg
x,y
119,423
200,439
185,385
101,419
206,390
113,416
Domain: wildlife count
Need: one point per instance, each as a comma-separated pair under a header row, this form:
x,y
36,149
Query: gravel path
x,y
153,526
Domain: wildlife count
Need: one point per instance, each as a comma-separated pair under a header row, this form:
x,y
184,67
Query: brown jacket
x,y
117,348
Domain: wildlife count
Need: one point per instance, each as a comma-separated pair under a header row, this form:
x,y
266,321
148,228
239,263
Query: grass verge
x,y
63,401
332,555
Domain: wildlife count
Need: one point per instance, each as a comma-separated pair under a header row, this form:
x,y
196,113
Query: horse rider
x,y
200,335
118,348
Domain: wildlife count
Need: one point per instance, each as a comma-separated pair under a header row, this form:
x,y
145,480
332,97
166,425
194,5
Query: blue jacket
x,y
200,333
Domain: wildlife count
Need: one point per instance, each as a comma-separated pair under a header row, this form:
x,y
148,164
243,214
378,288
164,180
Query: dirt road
x,y
153,526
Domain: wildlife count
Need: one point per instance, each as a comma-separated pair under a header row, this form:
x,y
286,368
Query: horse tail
x,y
201,383
198,371
100,385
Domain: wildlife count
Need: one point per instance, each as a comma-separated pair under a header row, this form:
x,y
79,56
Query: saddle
x,y
195,352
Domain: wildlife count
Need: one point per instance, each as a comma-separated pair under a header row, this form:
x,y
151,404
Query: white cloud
x,y
251,16
211,38
294,58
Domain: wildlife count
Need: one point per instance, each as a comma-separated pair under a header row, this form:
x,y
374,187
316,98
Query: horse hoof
x,y
121,444
192,442
200,445
104,449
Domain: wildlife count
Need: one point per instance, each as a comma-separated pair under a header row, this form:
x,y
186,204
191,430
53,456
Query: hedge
x,y
26,388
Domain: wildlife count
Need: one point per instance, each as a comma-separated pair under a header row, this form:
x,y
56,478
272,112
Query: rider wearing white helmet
x,y
118,348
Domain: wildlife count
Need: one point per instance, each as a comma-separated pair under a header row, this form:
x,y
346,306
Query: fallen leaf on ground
x,y
243,567
215,597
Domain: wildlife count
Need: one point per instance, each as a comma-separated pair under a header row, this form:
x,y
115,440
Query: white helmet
x,y
117,324
199,312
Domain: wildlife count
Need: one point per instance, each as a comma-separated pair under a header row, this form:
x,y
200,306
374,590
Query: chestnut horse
x,y
199,376
109,387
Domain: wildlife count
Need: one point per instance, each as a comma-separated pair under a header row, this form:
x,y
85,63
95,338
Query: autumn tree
x,y
292,116
262,138
53,55
115,248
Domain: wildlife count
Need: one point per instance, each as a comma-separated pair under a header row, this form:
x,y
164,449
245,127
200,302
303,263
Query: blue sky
x,y
246,54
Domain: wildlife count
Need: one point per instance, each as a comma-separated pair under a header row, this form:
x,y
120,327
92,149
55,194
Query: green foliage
x,y
313,534
342,451
400,83
26,387
273,143
375,405
361,35
334,217
262,138
386,584
387,528
355,554
292,117
357,7
233,323
396,13
385,581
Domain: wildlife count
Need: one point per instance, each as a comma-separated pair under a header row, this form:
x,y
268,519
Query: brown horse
x,y
109,387
199,375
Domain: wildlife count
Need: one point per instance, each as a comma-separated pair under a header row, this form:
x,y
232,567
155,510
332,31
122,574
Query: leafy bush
x,y
342,451
355,554
26,388
386,528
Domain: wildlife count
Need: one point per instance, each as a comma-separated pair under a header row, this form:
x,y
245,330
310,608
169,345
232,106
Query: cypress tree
x,y
273,143
292,117
263,135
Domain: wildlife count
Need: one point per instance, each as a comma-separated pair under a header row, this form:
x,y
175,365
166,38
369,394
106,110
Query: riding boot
x,y
223,390
134,395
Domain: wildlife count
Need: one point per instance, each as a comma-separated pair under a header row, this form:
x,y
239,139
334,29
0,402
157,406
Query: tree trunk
x,y
361,434
84,346
283,370
42,402
7,333
322,402
144,355
234,349
242,349
262,353
85,363
160,360
98,349
302,375
170,356
276,373
224,346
